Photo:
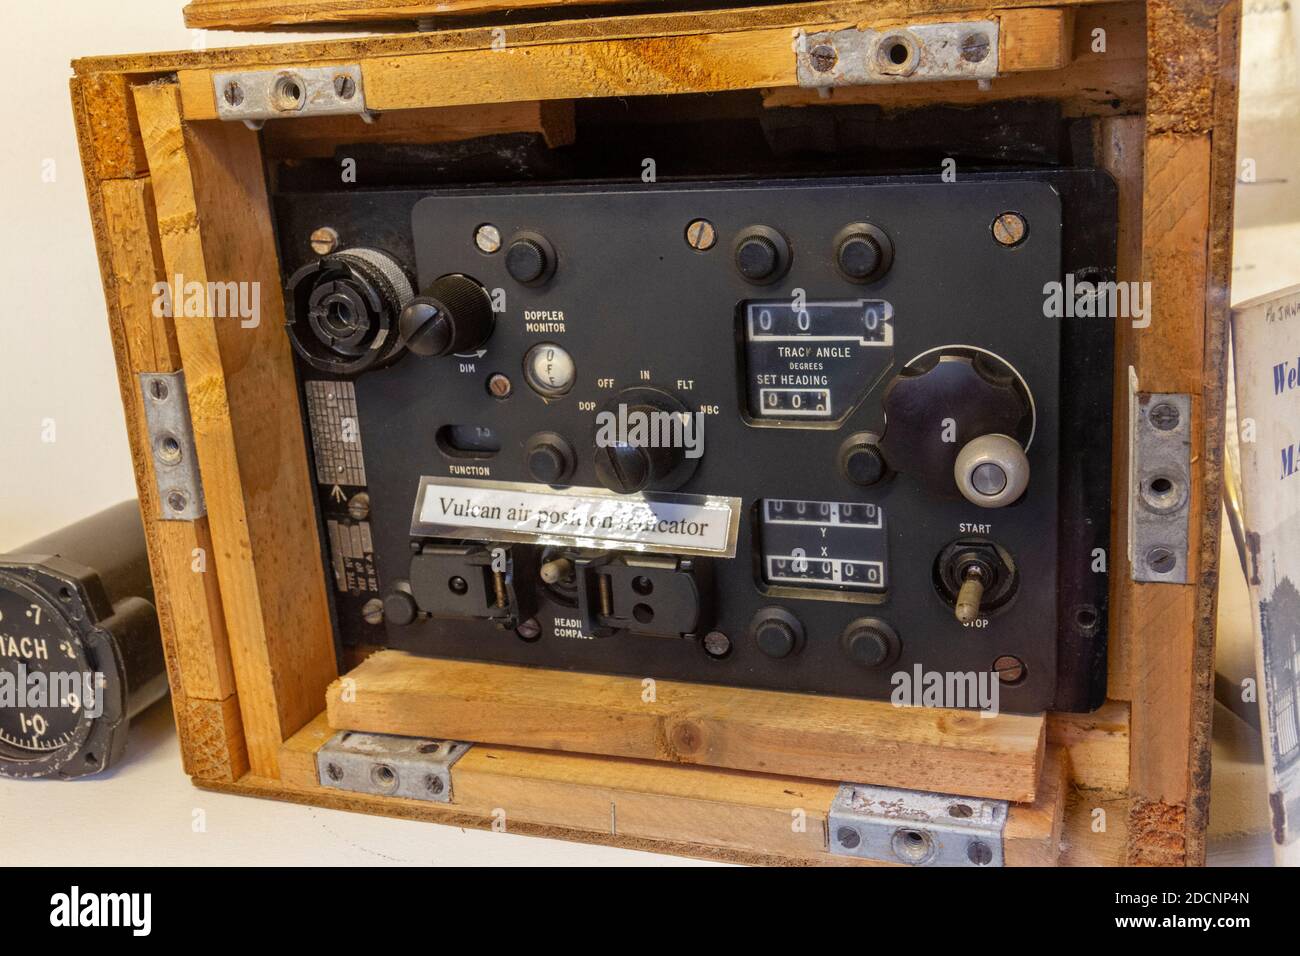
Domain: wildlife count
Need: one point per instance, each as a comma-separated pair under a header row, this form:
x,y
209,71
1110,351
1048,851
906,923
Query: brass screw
x,y
488,238
701,235
1009,669
1009,229
323,241
499,386
372,612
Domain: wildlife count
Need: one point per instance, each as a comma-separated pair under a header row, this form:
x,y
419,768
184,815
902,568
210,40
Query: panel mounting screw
x,y
334,772
433,784
177,501
488,238
701,235
1010,670
1161,560
499,385
1164,417
979,853
974,47
323,240
717,644
372,612
848,837
344,86
1009,229
529,630
233,93
822,58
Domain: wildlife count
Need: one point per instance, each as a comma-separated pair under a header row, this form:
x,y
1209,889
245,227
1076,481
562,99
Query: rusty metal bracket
x,y
1160,483
916,827
256,96
966,50
171,446
415,768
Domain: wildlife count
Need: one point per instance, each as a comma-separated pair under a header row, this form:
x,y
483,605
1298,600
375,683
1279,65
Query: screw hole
x,y
962,811
643,613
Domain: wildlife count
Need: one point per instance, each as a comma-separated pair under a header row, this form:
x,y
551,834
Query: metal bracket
x,y
415,768
171,444
1160,468
915,827
257,96
965,50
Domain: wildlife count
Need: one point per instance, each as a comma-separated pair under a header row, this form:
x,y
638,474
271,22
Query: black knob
x,y
870,642
861,460
454,314
646,440
762,254
777,632
530,259
625,469
550,458
863,252
400,607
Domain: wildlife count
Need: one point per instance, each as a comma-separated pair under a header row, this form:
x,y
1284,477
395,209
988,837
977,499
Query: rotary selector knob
x,y
550,458
453,315
646,440
870,642
958,420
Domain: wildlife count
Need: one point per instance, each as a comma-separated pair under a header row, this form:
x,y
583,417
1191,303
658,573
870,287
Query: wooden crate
x,y
242,600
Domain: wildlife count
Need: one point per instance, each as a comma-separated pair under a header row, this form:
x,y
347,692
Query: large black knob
x,y
777,632
646,440
549,458
625,469
453,315
762,254
863,252
946,402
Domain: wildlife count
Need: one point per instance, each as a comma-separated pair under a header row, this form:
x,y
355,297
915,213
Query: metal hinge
x,y
966,50
255,96
914,827
416,768
1160,468
171,444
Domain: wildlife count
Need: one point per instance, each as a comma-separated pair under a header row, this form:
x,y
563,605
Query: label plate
x,y
579,517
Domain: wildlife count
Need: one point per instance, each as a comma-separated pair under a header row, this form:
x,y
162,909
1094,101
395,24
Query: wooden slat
x,y
775,818
796,734
213,219
753,59
317,136
1098,746
253,14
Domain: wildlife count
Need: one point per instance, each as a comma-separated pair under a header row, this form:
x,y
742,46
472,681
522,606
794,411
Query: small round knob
x,y
863,252
525,261
624,469
762,254
777,632
991,471
530,259
861,460
454,314
870,642
550,458
400,607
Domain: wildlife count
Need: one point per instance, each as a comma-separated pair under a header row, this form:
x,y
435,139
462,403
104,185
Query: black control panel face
x,y
807,435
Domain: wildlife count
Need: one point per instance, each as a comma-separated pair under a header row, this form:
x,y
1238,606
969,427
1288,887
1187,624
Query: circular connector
x,y
992,471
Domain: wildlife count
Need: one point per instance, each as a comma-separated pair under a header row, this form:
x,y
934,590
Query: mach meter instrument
x,y
80,651
799,434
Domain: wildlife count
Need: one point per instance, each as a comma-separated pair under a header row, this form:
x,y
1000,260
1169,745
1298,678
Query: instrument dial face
x,y
41,656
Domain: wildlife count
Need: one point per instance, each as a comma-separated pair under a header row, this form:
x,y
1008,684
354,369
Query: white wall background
x,y
56,363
